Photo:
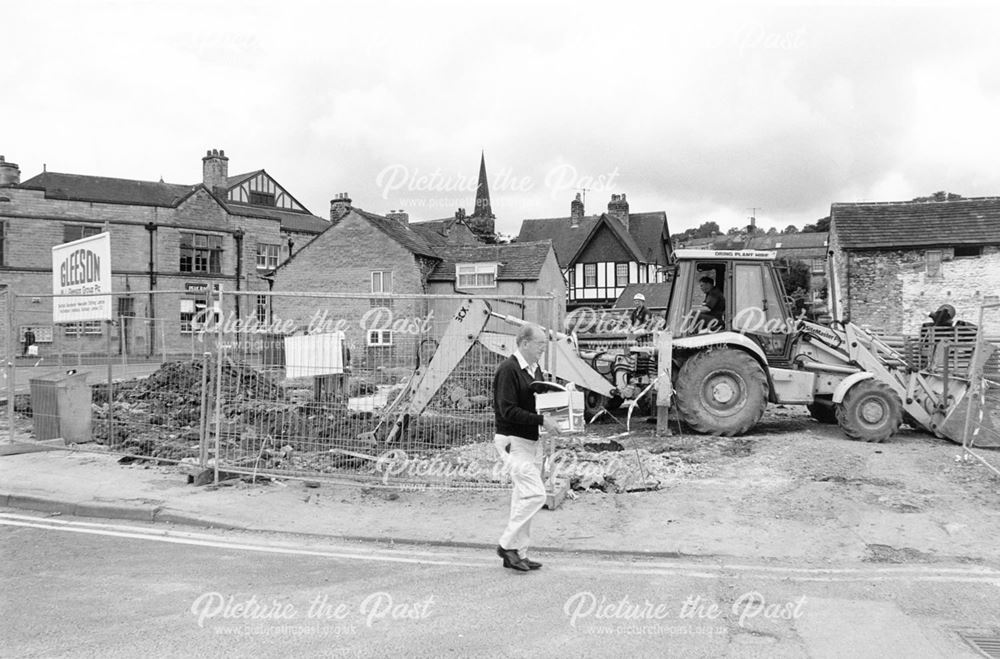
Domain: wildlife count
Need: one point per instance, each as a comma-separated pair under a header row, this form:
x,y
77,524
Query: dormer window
x,y
476,275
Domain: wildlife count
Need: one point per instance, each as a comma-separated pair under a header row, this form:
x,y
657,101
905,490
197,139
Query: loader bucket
x,y
984,420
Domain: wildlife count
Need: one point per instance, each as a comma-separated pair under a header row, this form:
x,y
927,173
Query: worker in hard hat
x,y
639,314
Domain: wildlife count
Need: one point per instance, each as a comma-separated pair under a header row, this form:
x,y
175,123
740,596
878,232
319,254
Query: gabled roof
x,y
442,232
645,236
102,189
233,181
399,232
903,224
517,262
295,221
657,295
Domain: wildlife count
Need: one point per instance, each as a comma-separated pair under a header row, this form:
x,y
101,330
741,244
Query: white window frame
x,y
586,277
628,274
475,271
931,273
77,329
378,281
267,256
379,338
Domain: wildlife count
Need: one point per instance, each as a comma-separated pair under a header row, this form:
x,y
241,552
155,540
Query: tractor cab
x,y
755,303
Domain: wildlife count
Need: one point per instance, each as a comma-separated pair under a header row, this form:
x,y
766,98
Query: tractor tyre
x,y
870,412
721,391
823,410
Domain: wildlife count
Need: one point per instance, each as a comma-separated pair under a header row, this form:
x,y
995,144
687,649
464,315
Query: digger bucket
x,y
981,424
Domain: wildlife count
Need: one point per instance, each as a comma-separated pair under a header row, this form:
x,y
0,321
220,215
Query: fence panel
x,y
320,387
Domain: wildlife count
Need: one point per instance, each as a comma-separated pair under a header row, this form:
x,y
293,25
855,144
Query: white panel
x,y
633,272
314,354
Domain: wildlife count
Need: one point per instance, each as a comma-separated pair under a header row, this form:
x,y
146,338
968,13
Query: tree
x,y
791,228
821,226
707,230
772,231
734,231
940,195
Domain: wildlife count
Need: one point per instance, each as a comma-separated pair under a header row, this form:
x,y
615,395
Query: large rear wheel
x,y
721,391
870,412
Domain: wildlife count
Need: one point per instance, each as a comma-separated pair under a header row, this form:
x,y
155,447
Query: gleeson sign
x,y
82,269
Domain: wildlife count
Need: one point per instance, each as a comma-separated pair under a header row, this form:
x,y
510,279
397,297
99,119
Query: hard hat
x,y
639,296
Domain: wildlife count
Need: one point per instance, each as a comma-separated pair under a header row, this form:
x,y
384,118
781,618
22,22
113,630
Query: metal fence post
x,y
111,399
218,384
11,369
203,421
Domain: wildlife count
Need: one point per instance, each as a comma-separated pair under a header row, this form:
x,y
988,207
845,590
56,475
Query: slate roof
x,y
436,232
297,221
814,240
902,224
102,189
645,237
233,181
401,233
657,295
518,262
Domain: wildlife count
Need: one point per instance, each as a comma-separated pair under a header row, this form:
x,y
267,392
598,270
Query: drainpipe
x,y
151,228
239,266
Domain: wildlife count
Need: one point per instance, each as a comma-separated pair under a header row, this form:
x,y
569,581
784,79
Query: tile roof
x,y
444,232
974,220
400,232
645,237
78,187
518,261
296,221
657,295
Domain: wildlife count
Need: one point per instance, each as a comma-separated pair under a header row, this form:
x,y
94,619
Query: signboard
x,y
81,269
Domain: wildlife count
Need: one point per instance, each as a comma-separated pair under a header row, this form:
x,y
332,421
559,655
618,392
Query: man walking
x,y
517,425
29,340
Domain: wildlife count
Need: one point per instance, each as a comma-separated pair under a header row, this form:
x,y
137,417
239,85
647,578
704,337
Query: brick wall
x,y
892,290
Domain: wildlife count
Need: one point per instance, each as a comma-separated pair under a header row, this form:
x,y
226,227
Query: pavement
x,y
711,518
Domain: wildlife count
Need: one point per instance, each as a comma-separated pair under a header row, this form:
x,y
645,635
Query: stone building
x,y
172,245
369,263
892,263
602,254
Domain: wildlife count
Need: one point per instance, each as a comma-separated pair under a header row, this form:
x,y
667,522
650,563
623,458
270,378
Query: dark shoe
x,y
532,565
511,559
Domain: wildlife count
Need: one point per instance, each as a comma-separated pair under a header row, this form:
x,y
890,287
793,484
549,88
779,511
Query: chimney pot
x,y
215,170
340,206
10,173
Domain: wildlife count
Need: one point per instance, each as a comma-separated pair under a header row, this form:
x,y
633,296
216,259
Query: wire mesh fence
x,y
390,388
982,417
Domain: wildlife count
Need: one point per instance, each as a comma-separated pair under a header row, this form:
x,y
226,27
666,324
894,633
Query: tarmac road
x,y
77,587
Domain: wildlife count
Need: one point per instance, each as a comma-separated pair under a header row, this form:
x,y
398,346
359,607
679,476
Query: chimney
x,y
618,208
575,211
10,174
339,206
400,216
215,170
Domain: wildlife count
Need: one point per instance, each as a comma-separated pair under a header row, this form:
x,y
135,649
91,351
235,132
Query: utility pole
x,y
584,191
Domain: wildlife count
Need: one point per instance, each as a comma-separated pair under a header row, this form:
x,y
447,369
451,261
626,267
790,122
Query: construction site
x,y
641,410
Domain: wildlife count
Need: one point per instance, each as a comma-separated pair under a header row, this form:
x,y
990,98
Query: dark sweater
x,y
514,402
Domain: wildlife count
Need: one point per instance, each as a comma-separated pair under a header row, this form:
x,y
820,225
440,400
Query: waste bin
x,y
60,406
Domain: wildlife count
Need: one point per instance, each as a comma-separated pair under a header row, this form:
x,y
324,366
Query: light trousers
x,y
528,495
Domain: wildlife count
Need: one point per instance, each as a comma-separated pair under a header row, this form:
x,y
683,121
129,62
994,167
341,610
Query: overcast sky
x,y
703,113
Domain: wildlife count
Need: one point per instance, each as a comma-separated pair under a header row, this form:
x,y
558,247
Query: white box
x,y
565,407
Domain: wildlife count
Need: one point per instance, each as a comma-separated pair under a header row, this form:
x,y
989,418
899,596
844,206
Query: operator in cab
x,y
710,312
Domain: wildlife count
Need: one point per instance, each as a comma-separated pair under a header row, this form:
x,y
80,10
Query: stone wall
x,y
892,290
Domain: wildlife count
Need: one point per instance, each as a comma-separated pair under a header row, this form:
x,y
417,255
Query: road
x,y
76,587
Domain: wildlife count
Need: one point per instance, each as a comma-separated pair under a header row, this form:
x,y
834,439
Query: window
x,y
379,337
968,250
267,256
193,314
261,309
201,252
932,258
621,274
3,235
817,266
476,275
73,232
126,307
78,329
262,198
571,278
590,275
381,281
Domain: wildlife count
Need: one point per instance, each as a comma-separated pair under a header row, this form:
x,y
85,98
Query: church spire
x,y
482,220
